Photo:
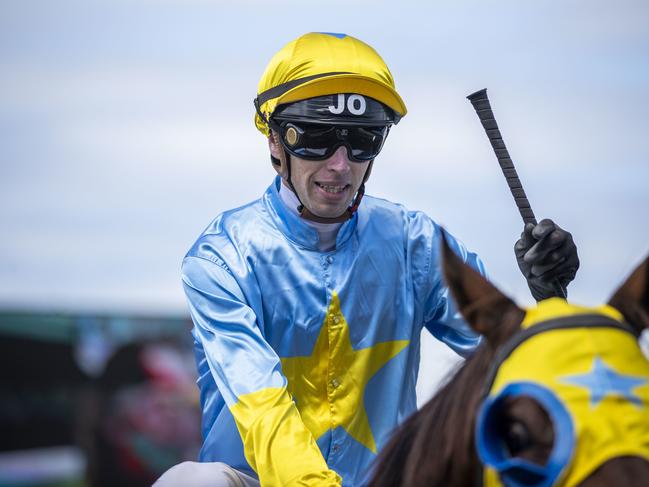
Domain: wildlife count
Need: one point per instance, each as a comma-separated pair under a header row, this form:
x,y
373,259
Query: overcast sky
x,y
126,126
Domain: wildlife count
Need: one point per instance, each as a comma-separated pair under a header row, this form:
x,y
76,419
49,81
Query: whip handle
x,y
482,107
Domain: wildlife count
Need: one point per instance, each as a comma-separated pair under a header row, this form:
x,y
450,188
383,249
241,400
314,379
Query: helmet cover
x,y
319,63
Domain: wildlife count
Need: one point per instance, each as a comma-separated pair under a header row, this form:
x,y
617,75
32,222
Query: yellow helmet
x,y
322,63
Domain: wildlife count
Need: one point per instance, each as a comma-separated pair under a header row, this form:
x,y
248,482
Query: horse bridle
x,y
562,323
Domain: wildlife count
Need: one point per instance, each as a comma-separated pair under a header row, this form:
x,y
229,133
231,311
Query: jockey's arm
x,y
439,312
247,372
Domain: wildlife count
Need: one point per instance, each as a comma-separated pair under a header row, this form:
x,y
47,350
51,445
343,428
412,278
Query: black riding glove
x,y
547,257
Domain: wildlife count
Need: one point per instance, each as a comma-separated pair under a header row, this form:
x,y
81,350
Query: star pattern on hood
x,y
603,381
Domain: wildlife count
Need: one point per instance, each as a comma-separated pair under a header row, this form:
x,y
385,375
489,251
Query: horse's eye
x,y
517,437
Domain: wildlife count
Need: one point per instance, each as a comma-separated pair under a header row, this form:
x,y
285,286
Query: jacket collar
x,y
295,228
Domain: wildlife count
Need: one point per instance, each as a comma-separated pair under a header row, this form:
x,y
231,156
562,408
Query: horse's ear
x,y
487,310
632,298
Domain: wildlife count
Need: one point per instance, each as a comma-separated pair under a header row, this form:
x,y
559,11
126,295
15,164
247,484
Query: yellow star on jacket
x,y
328,385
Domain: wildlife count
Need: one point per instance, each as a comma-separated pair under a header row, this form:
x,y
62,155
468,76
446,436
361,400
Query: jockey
x,y
308,303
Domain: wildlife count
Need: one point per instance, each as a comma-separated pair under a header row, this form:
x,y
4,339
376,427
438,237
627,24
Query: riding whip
x,y
482,107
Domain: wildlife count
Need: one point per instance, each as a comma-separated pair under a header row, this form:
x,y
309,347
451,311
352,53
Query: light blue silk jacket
x,y
338,333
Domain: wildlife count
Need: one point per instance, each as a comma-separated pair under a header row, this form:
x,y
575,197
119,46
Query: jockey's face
x,y
325,187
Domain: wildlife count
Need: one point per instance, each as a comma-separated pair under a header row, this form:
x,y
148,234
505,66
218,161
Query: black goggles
x,y
315,142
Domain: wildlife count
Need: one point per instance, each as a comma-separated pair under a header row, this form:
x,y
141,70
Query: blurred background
x,y
126,127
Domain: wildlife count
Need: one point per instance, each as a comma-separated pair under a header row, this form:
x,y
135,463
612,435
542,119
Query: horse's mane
x,y
434,446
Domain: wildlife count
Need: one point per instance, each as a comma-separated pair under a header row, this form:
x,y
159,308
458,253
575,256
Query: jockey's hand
x,y
547,256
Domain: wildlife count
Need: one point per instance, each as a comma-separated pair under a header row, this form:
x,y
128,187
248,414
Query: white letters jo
x,y
355,104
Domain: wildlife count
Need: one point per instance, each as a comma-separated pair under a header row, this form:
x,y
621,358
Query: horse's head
x,y
566,401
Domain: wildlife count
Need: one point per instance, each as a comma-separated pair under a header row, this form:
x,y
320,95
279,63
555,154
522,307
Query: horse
x,y
555,396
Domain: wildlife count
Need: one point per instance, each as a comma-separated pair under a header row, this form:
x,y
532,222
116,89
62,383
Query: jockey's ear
x,y
632,297
487,310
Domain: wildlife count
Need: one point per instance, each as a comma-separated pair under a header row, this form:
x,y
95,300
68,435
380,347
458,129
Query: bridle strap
x,y
562,323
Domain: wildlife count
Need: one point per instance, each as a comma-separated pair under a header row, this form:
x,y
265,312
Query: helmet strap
x,y
305,213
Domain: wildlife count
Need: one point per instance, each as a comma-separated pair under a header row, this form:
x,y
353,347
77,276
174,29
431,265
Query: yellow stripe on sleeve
x,y
277,444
